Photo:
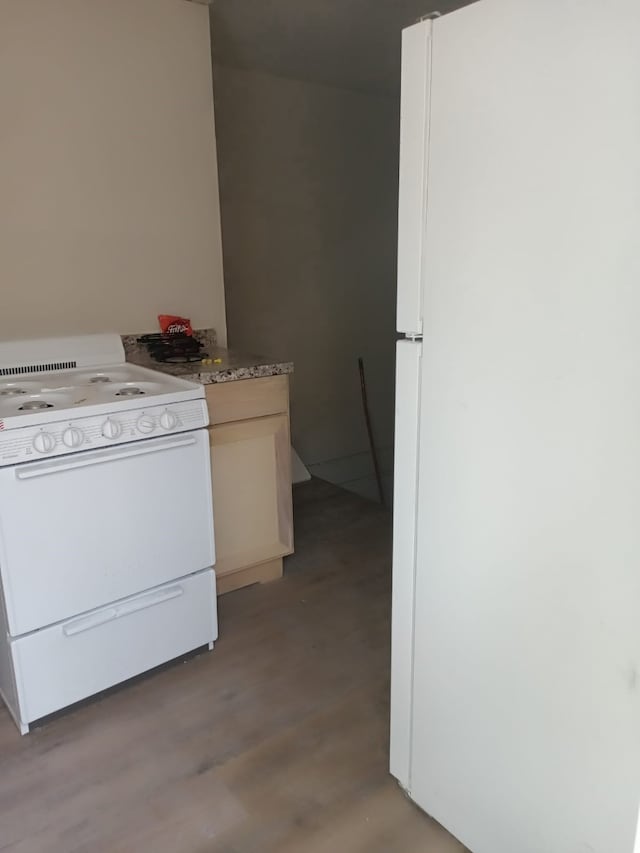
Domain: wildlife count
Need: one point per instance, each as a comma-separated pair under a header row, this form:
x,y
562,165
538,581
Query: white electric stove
x,y
106,521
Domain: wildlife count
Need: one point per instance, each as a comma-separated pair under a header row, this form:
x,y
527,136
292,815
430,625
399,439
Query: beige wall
x,y
309,184
108,186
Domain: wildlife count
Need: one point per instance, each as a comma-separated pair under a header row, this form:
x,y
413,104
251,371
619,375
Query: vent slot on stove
x,y
37,368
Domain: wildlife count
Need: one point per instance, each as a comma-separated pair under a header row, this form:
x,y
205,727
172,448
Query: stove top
x,y
65,395
50,393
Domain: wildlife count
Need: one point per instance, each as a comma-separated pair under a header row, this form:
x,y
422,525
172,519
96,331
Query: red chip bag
x,y
170,325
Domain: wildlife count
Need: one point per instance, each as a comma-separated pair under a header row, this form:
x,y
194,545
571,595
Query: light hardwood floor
x,y
276,742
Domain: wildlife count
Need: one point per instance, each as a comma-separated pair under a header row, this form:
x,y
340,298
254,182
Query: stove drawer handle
x,y
110,614
98,457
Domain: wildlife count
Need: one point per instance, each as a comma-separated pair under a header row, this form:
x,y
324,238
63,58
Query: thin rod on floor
x,y
367,417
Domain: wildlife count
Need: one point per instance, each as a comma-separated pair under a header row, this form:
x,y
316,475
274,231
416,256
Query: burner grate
x,y
37,368
130,391
35,405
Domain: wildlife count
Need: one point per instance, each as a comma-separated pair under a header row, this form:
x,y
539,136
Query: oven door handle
x,y
109,614
87,459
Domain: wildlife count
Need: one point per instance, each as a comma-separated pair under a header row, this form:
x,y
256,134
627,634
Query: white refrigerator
x,y
515,707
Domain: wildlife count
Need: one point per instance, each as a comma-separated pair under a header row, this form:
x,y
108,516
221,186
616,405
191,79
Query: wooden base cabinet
x,y
249,440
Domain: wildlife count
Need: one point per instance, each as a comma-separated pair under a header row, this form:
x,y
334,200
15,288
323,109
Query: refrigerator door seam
x,y
415,564
409,370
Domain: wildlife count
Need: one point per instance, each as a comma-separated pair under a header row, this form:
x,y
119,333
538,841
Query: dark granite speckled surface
x,y
232,365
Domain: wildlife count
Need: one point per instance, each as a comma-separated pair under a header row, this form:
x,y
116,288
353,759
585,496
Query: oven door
x,y
80,531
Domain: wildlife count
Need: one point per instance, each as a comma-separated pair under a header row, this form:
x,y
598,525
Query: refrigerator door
x,y
414,130
408,364
526,689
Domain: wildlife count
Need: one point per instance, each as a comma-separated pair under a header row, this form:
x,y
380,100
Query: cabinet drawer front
x,y
247,398
67,662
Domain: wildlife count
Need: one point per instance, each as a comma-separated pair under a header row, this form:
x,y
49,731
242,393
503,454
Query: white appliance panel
x,y
32,356
89,528
526,711
405,503
414,135
69,661
20,445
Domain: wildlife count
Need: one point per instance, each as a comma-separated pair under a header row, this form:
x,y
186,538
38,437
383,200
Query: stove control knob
x,y
146,424
72,437
111,429
44,442
168,420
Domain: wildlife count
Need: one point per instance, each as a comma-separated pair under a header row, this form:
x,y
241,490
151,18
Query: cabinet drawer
x,y
64,663
247,398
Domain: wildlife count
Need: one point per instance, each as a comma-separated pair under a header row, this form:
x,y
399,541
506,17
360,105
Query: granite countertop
x,y
226,365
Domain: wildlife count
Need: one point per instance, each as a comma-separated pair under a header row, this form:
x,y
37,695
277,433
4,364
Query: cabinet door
x,y
251,477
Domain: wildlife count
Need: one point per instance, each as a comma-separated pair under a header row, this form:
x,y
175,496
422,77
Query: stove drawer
x,y
81,530
64,663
